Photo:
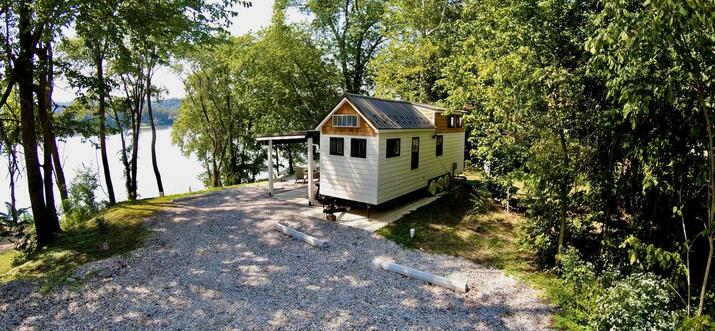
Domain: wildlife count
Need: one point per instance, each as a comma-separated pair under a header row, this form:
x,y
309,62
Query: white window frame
x,y
340,121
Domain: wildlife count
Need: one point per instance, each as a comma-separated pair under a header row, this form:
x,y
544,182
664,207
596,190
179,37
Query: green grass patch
x,y
491,239
123,231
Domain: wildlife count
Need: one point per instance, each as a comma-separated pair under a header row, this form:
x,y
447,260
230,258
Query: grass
x,y
491,239
121,232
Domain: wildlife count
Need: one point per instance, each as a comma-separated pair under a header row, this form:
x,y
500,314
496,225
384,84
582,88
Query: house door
x,y
415,153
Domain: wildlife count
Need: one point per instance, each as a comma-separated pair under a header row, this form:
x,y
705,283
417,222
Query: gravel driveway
x,y
216,263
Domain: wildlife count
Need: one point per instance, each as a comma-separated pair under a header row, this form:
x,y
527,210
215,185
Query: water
x,y
178,172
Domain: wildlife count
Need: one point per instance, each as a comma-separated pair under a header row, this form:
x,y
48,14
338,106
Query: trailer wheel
x,y
433,187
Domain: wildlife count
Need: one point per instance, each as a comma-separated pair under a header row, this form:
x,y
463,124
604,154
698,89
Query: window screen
x,y
358,147
350,121
336,146
393,147
440,145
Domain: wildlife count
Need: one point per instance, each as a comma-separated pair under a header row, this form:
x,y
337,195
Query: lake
x,y
178,172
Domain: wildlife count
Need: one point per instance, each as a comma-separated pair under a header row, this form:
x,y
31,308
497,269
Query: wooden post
x,y
310,171
270,167
300,235
421,275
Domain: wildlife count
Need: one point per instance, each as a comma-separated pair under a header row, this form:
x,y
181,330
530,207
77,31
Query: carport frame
x,y
312,137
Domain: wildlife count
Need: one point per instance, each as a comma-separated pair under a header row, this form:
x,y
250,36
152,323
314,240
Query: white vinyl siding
x,y
395,176
346,177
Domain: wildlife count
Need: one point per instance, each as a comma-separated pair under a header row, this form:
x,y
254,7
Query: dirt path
x,y
216,263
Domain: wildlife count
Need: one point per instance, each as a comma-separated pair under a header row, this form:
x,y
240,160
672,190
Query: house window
x,y
345,121
440,145
393,147
415,161
451,121
336,146
459,121
358,147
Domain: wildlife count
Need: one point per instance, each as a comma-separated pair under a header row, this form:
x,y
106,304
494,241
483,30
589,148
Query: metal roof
x,y
391,114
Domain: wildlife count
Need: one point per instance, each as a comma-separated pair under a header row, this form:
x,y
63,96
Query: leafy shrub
x,y
581,279
15,225
641,301
698,323
479,198
82,201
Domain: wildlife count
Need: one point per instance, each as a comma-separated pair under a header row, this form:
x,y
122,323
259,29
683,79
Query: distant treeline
x,y
165,112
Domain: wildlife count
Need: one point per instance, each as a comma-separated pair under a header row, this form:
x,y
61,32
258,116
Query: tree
x,y
98,28
409,66
28,33
520,69
658,55
352,32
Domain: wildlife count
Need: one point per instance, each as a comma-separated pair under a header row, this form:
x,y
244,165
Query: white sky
x,y
248,20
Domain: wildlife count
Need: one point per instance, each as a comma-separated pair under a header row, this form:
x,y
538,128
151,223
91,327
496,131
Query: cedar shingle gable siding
x,y
364,129
442,124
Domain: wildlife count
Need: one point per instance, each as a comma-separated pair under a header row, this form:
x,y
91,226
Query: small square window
x,y
393,147
358,147
440,145
336,146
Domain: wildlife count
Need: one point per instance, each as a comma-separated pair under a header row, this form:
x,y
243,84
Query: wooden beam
x,y
310,171
421,275
300,235
270,167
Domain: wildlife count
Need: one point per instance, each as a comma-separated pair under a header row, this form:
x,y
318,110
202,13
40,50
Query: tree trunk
x,y
99,63
59,173
124,158
24,74
136,131
290,160
153,133
711,206
57,163
563,197
44,101
704,289
278,164
11,169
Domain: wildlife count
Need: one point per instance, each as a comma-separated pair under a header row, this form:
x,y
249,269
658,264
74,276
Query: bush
x,y
479,199
15,225
641,301
580,278
82,204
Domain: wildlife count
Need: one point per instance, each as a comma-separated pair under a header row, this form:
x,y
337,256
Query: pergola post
x,y
270,167
310,171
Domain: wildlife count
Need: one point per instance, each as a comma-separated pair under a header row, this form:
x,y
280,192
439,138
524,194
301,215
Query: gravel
x,y
216,262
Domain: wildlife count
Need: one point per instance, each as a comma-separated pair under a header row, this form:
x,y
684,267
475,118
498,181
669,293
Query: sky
x,y
250,19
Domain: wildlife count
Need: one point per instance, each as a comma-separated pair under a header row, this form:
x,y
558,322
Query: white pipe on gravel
x,y
300,235
421,275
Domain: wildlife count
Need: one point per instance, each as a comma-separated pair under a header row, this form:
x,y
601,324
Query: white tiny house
x,y
375,150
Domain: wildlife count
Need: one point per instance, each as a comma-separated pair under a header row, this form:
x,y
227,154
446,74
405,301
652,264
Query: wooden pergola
x,y
292,137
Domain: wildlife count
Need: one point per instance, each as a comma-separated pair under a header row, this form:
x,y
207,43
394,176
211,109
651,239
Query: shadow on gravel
x,y
215,262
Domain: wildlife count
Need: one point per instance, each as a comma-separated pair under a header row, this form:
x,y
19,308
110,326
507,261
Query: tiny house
x,y
374,150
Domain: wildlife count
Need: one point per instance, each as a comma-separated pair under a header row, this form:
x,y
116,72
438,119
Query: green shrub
x,y
479,198
82,204
16,225
641,301
583,283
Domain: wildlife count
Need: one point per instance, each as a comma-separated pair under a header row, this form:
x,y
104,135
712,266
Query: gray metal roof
x,y
391,114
